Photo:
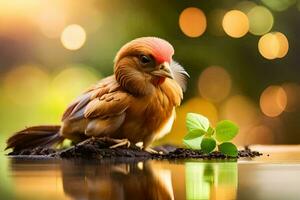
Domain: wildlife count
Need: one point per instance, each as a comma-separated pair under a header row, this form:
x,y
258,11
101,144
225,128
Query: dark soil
x,y
99,148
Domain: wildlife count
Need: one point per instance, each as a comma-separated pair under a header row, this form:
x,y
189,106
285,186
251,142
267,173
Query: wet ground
x,y
275,175
99,148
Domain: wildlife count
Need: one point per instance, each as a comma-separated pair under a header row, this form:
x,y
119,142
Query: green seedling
x,y
202,136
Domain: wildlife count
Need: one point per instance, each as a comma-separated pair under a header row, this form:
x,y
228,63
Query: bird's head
x,y
144,63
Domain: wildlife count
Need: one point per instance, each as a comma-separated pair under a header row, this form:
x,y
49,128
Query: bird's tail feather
x,y
35,136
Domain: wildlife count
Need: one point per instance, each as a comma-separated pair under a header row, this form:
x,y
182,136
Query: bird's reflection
x,y
134,180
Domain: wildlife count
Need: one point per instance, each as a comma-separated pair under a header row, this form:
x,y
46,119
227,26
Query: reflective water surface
x,y
276,176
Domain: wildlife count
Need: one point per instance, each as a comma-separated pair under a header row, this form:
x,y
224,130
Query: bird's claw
x,y
140,145
150,150
120,142
147,149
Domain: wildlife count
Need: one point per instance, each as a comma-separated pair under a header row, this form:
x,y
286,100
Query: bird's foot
x,y
140,145
120,142
151,151
147,149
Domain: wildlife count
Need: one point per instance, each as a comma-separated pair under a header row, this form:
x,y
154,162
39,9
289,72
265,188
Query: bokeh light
x,y
73,37
273,101
292,91
260,20
71,82
243,112
192,22
26,85
268,46
16,12
51,21
273,45
214,83
235,23
283,44
239,109
279,5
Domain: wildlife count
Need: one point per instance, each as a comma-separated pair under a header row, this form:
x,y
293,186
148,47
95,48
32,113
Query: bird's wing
x,y
108,105
76,109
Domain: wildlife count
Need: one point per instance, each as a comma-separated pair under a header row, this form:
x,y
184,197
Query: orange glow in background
x,y
192,22
235,23
273,101
214,83
273,45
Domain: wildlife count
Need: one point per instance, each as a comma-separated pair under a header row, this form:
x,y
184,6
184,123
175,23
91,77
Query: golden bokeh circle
x,y
273,45
73,37
51,21
214,83
72,81
283,44
26,84
292,91
239,109
192,22
268,46
273,101
235,23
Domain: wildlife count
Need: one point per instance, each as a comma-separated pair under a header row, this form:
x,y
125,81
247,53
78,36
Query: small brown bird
x,y
136,104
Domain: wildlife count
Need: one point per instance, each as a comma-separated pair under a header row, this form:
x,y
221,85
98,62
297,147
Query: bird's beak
x,y
163,71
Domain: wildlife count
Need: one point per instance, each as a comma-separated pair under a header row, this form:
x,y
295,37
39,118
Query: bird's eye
x,y
145,59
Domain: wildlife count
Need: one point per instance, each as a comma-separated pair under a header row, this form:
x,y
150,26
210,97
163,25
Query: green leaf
x,y
194,134
228,149
66,143
196,122
210,131
208,144
193,143
226,131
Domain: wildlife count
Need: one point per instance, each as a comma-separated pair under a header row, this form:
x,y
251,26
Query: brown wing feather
x,y
108,105
76,108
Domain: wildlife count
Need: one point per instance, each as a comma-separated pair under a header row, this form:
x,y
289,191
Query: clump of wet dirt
x,y
99,148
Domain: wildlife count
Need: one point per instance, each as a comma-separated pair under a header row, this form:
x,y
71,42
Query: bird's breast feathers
x,y
166,126
153,114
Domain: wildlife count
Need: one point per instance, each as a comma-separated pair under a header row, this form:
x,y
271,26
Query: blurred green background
x,y
242,57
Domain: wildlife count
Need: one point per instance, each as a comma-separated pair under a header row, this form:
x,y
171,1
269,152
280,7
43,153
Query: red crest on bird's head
x,y
161,50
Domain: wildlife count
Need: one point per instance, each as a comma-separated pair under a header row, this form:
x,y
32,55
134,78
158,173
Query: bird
x,y
134,105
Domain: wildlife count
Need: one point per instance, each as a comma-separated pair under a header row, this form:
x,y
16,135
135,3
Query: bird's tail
x,y
35,136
